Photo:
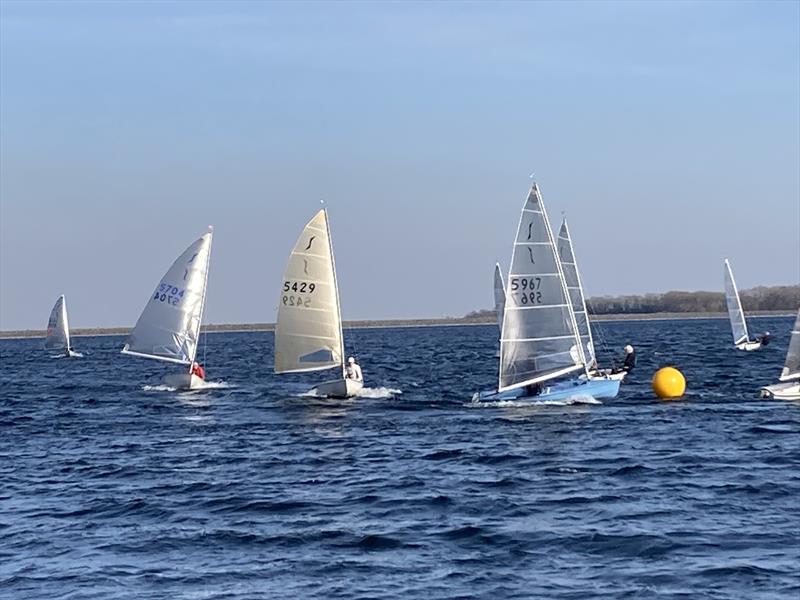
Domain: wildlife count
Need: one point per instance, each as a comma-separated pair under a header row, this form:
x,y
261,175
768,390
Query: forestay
x,y
169,327
735,312
308,334
791,369
538,340
572,279
499,295
58,327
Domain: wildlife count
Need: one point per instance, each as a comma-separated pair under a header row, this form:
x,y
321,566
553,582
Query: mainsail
x,y
538,340
735,312
499,295
791,369
169,327
308,333
58,327
572,278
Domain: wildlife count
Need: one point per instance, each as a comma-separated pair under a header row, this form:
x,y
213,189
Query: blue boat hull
x,y
561,390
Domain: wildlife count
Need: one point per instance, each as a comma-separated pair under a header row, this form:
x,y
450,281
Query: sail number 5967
x,y
529,287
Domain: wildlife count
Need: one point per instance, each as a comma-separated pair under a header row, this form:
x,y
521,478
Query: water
x,y
113,487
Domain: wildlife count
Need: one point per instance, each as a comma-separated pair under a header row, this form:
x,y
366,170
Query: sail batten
x,y
169,327
57,337
791,368
536,345
734,305
308,332
572,278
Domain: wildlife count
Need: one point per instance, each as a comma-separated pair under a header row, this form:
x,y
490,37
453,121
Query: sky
x,y
668,133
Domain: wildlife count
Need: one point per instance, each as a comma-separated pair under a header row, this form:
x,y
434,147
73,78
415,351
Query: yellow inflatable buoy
x,y
669,383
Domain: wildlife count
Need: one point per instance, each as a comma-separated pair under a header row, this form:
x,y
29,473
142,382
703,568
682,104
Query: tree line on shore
x,y
782,297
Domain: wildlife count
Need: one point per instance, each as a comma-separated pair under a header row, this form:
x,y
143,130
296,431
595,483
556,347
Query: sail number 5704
x,y
168,294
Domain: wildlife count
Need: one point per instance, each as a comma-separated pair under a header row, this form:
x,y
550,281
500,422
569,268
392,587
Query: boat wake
x,y
379,392
207,385
573,401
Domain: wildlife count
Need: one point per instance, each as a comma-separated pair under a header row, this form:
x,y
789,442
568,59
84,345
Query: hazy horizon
x,y
669,134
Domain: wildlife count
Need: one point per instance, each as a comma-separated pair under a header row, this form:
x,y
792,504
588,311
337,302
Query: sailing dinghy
x,y
308,332
572,277
789,386
741,339
58,330
539,342
169,327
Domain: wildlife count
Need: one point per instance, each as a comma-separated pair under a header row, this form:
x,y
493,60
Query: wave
x,y
573,401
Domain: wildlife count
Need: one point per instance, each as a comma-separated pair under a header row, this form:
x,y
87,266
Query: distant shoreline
x,y
393,323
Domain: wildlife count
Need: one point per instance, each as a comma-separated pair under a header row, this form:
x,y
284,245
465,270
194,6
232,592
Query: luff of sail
x,y
734,304
308,332
169,326
58,327
572,279
791,368
499,295
538,340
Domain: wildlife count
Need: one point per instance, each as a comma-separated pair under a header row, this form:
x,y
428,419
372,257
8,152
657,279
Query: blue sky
x,y
669,133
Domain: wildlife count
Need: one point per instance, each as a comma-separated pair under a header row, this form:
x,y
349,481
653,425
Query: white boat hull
x,y
602,374
338,388
782,391
183,381
748,346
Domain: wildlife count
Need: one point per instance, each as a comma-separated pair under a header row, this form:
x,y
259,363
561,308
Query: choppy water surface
x,y
113,487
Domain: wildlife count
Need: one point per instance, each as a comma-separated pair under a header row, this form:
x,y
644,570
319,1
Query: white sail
x,y
735,312
308,333
499,295
169,327
572,277
538,340
791,368
58,327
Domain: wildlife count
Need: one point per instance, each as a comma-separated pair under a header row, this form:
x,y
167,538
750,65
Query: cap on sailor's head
x,y
628,349
351,360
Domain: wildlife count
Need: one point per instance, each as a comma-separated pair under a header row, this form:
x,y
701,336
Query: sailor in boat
x,y
70,352
532,389
198,371
353,370
628,363
764,338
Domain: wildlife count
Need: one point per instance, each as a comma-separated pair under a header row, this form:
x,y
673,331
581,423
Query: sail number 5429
x,y
300,287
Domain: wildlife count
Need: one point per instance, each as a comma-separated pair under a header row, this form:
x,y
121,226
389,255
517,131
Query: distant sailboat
x,y
789,386
499,295
169,327
741,339
58,329
572,277
308,332
539,341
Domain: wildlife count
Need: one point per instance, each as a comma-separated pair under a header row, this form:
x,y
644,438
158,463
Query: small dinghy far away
x,y
741,338
499,300
539,342
58,330
308,331
789,386
169,326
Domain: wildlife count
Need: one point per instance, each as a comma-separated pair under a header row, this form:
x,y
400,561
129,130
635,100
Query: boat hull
x,y
782,391
338,388
183,381
562,390
748,346
604,374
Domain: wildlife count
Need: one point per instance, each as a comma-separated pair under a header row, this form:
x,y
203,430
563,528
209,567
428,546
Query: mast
x,y
581,356
336,290
203,298
580,288
738,304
